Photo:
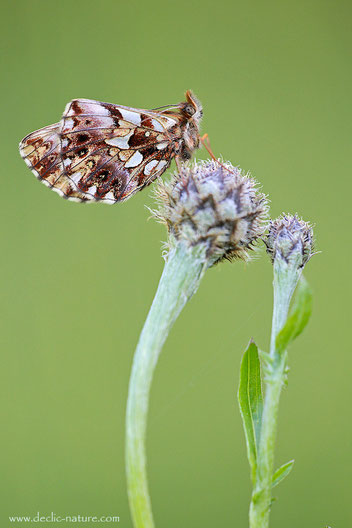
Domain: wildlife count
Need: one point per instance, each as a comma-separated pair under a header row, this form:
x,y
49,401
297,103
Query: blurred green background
x,y
77,280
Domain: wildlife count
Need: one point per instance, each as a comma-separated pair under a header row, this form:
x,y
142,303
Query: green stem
x,y
285,282
180,279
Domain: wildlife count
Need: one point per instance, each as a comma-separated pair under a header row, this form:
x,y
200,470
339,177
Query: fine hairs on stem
x,y
212,212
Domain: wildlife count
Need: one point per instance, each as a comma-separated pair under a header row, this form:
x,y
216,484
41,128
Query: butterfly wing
x,y
41,150
100,151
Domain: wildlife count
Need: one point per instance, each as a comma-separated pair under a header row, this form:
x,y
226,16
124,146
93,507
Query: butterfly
x,y
106,152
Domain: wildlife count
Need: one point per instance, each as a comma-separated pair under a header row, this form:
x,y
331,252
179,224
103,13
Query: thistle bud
x,y
215,205
290,240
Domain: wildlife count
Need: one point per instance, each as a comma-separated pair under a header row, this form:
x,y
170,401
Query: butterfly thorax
x,y
187,131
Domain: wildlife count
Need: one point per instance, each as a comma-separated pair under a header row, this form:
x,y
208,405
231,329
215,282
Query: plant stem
x,y
285,281
180,279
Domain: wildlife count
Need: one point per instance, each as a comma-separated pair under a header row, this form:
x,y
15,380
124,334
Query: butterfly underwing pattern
x,y
106,152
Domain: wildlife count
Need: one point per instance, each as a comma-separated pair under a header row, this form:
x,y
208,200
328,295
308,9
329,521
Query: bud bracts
x,y
290,239
216,205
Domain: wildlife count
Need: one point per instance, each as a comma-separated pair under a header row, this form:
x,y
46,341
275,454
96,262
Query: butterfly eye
x,y
189,109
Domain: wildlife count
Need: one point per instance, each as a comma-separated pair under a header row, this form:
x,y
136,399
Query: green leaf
x,y
282,473
298,317
250,399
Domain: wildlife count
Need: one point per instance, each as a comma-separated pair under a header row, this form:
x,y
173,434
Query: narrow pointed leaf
x,y
298,317
282,473
250,399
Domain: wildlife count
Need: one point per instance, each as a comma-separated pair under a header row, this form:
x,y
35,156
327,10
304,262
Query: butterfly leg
x,y
179,164
205,141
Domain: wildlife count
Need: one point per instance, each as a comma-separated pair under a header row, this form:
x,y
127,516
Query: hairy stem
x,y
285,281
180,279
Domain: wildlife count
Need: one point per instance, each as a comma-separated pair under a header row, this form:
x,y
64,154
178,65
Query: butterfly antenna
x,y
167,106
206,143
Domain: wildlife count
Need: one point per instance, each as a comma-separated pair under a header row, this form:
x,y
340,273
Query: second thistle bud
x,y
216,205
290,240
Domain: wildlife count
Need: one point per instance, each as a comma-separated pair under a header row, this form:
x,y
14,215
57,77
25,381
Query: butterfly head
x,y
192,112
192,108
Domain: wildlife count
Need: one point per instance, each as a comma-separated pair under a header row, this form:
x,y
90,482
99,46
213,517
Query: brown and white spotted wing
x,y
110,152
41,150
106,152
100,151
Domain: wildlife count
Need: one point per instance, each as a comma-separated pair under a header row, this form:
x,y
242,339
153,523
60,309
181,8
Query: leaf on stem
x,y
250,400
298,317
282,473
